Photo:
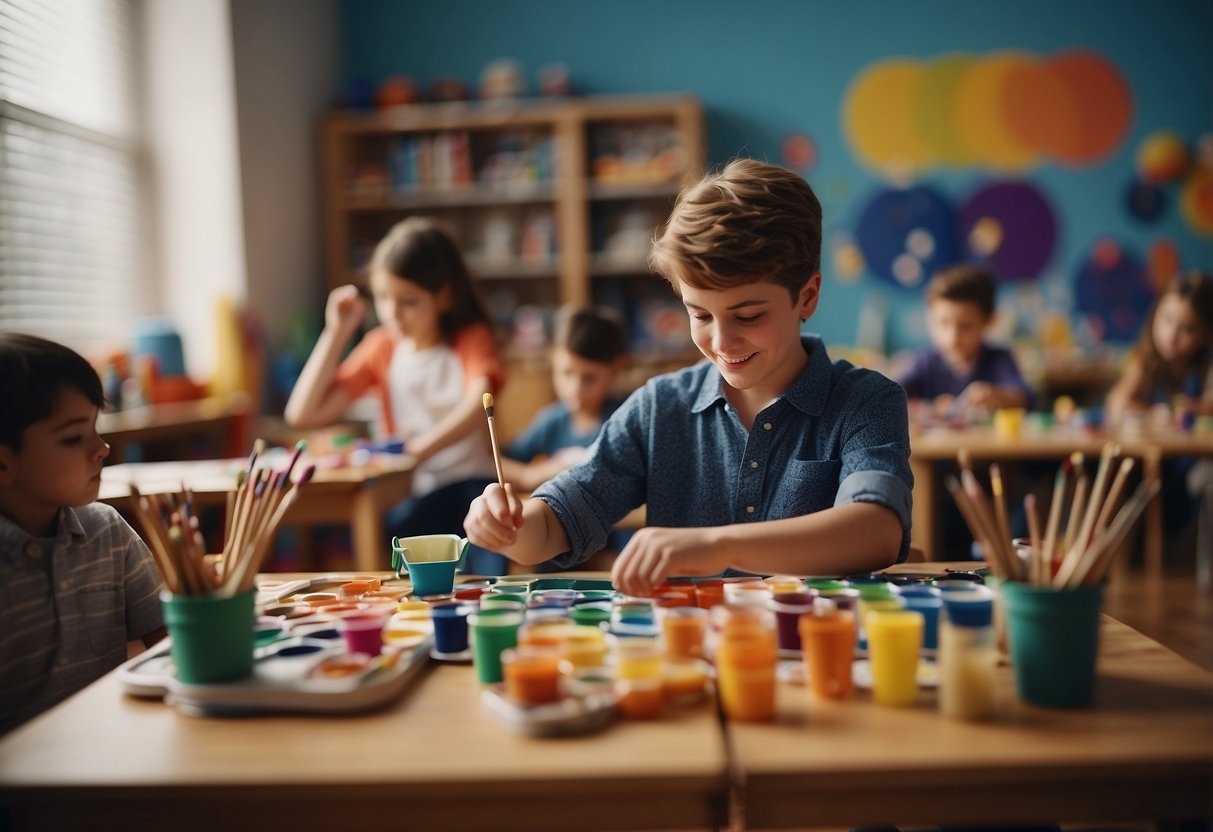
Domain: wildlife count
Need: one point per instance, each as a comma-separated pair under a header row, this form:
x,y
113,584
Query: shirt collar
x,y
13,538
807,393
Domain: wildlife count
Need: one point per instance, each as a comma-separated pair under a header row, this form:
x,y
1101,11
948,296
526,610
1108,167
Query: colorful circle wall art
x,y
907,235
1113,291
1145,201
1162,157
799,153
1005,111
1011,226
1196,201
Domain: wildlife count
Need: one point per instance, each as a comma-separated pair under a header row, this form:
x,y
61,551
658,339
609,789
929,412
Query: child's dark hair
x,y
32,372
749,222
1196,287
964,283
594,333
418,250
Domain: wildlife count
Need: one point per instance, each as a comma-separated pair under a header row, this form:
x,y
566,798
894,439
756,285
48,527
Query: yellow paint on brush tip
x,y
488,401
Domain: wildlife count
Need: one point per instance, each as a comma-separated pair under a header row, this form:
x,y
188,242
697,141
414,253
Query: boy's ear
x,y
810,292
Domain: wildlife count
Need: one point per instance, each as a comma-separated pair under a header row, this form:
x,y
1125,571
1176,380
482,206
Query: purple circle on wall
x,y
907,235
1113,289
1028,229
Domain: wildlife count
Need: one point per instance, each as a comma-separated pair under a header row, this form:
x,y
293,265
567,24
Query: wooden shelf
x,y
367,188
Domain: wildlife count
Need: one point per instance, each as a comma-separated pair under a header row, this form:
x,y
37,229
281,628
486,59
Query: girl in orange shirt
x,y
430,362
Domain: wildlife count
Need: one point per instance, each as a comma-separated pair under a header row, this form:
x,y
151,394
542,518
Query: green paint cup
x,y
212,636
1054,637
591,615
492,630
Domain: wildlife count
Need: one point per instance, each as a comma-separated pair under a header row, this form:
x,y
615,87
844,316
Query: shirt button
x,y
753,463
749,509
65,585
61,661
33,550
766,425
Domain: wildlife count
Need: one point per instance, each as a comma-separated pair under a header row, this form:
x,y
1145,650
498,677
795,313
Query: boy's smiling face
x,y
956,329
59,464
752,332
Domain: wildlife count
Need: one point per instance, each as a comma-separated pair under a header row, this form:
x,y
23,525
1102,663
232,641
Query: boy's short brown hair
x,y
748,223
964,283
33,371
594,333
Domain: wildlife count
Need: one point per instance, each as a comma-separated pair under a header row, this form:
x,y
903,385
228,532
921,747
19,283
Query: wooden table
x,y
226,418
435,759
432,760
934,445
1144,751
354,495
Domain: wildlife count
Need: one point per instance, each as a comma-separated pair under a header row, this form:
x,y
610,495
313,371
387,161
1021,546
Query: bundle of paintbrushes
x,y
1075,549
255,509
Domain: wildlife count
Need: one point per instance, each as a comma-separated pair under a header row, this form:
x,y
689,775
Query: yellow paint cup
x,y
1008,423
894,642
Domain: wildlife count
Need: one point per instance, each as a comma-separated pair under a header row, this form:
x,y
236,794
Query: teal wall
x,y
773,67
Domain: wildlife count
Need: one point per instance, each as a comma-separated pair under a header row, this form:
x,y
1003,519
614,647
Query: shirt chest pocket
x,y
102,618
807,485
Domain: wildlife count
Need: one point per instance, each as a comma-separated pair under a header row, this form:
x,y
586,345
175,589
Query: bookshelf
x,y
553,201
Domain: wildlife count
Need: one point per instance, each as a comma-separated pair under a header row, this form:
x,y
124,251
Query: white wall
x,y
191,137
286,58
235,88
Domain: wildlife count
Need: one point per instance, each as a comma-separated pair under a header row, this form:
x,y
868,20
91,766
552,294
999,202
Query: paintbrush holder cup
x,y
1054,640
212,636
429,561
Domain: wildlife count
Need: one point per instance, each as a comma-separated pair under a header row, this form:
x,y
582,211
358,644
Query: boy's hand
x,y
494,518
654,554
980,395
345,309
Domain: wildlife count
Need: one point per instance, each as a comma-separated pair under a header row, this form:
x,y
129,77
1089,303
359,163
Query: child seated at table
x,y
768,457
589,350
1170,373
960,375
79,591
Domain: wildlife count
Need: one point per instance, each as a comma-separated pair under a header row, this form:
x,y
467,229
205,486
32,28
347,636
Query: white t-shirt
x,y
424,387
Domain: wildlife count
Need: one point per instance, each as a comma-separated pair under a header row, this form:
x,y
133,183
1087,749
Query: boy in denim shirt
x,y
766,458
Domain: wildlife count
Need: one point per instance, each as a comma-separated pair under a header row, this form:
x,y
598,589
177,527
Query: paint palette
x,y
299,675
571,715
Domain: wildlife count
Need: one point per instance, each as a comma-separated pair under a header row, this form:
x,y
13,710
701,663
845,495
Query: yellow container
x,y
894,642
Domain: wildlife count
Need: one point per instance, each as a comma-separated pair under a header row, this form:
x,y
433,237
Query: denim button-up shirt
x,y
837,435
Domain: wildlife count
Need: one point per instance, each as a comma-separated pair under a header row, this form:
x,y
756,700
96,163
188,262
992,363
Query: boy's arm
x,y
856,537
525,532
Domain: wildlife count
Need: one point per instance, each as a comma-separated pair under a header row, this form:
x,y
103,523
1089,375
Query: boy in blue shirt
x,y
766,458
78,588
588,351
960,375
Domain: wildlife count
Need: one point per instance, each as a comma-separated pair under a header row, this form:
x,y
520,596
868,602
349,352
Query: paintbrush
x,y
488,412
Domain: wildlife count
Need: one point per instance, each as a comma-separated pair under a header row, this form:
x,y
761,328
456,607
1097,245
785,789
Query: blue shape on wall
x,y
907,235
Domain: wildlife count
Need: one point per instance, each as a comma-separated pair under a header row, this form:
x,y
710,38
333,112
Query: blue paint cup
x,y
451,627
927,600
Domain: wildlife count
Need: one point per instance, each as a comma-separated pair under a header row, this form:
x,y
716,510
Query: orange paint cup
x,y
683,630
828,642
745,663
532,674
709,593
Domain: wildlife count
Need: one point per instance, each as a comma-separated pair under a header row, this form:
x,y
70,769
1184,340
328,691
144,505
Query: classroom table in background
x,y
223,418
935,445
353,495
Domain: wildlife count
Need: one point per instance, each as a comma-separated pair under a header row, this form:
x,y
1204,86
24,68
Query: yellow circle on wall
x,y
980,114
877,116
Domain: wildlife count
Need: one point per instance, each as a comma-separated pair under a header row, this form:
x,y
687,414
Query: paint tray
x,y
571,715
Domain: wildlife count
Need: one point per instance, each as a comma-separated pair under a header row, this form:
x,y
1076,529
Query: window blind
x,y
70,195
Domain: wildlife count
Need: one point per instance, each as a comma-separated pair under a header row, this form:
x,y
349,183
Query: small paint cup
x,y
585,647
788,609
747,594
783,583
639,698
363,632
1008,423
470,593
683,630
745,663
493,599
545,632
636,658
709,593
684,681
894,642
827,638
553,597
531,674
492,631
928,601
212,636
595,614
451,626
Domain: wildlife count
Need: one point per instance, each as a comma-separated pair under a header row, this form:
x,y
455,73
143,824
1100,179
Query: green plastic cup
x,y
1054,637
212,636
492,630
